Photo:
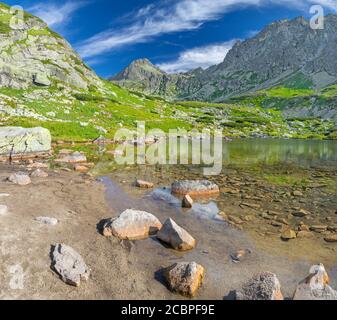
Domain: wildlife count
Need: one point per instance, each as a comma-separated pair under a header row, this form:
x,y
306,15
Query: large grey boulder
x,y
263,286
132,225
22,141
315,286
69,265
175,236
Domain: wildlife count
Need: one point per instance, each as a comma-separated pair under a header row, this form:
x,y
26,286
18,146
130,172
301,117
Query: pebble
x,y
47,220
288,235
319,229
3,210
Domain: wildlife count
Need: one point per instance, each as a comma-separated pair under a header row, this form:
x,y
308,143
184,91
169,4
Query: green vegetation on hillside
x,y
78,115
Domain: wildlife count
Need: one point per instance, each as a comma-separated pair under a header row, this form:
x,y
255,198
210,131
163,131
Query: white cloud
x,y
157,20
54,14
202,57
181,15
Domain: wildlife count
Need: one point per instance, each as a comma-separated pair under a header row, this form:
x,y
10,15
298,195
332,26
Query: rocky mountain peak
x,y
35,55
286,52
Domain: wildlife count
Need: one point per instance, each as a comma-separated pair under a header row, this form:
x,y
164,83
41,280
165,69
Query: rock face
x,y
264,286
20,178
196,188
143,75
185,278
133,225
69,265
315,286
21,141
35,55
176,237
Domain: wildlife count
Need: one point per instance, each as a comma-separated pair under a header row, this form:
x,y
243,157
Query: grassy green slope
x,y
75,115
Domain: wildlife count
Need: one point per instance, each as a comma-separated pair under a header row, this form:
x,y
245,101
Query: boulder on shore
x,y
176,237
185,278
263,286
315,286
69,265
195,188
132,225
16,141
20,178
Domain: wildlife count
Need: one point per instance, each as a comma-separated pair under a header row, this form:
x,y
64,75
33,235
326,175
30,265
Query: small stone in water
x,y
240,255
187,202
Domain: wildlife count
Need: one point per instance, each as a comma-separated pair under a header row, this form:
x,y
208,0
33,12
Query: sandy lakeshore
x,y
119,270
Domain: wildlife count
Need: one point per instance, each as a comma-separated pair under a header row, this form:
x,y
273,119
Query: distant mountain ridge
x,y
285,53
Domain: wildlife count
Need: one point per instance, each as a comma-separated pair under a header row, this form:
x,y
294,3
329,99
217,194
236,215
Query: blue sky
x,y
177,35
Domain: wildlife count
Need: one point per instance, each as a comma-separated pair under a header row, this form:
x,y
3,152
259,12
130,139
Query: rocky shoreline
x,y
57,207
48,203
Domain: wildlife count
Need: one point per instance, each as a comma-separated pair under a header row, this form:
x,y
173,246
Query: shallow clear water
x,y
257,186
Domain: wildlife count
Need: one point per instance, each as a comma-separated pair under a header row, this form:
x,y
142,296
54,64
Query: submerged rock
x,y
176,237
133,225
69,265
185,278
195,188
315,286
20,178
240,255
264,286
